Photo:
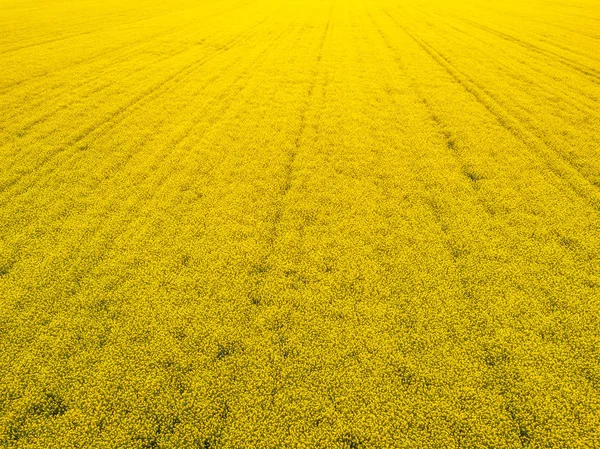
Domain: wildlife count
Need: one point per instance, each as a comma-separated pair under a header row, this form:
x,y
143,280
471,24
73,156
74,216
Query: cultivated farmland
x,y
307,224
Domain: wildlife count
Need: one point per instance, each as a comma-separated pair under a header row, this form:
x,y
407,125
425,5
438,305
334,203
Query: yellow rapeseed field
x,y
299,224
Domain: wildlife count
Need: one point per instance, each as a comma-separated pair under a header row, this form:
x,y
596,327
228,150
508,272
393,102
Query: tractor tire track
x,y
582,103
119,114
591,73
161,159
141,43
72,36
27,127
289,167
131,218
83,86
262,268
444,134
561,168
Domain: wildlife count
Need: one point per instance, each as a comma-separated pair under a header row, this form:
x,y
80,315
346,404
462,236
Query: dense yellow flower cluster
x,y
308,224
